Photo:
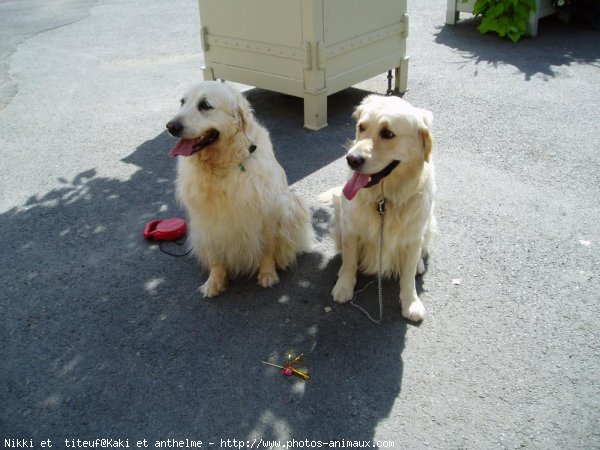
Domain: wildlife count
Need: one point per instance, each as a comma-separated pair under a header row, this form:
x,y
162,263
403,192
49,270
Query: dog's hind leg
x,y
430,232
294,233
267,274
421,263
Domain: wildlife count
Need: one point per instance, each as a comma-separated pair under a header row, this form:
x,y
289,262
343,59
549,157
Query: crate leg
x,y
208,74
533,23
315,111
451,12
401,75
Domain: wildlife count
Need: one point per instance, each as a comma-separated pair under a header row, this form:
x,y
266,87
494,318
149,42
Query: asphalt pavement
x,y
103,336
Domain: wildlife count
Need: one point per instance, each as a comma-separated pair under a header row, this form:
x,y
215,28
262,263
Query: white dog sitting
x,y
243,217
391,161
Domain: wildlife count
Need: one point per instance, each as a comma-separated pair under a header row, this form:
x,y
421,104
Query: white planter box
x,y
306,48
455,7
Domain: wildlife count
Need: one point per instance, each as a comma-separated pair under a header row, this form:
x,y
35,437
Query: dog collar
x,y
251,149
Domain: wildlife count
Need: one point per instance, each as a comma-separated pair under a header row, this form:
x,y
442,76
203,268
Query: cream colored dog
x,y
391,160
243,217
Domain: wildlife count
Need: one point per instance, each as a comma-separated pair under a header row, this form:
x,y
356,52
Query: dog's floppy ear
x,y
425,132
360,108
358,112
242,111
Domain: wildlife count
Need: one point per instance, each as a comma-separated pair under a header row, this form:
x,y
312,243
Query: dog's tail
x,y
296,234
333,197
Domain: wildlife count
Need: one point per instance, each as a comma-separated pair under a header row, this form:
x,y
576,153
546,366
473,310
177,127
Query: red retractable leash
x,y
170,229
165,229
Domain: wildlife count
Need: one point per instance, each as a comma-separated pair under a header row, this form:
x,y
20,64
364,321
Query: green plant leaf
x,y
514,36
508,18
479,8
497,10
483,27
522,10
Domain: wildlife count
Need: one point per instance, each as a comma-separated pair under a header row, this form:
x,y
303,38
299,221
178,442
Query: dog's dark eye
x,y
203,105
361,128
387,134
182,101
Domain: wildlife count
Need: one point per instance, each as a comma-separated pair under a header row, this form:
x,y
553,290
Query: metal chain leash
x,y
381,210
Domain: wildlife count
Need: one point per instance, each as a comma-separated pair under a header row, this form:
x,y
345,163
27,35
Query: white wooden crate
x,y
306,48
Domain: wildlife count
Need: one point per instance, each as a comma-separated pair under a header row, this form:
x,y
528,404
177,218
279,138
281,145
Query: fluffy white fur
x,y
408,192
243,218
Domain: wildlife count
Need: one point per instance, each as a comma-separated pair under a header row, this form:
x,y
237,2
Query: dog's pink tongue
x,y
353,185
183,148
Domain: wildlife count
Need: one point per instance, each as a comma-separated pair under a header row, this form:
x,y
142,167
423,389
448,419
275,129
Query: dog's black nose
x,y
175,127
355,161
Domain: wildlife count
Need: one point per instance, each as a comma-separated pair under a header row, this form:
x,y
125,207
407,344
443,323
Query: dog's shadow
x,y
105,334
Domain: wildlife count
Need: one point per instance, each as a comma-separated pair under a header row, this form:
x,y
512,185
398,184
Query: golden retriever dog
x,y
390,159
243,218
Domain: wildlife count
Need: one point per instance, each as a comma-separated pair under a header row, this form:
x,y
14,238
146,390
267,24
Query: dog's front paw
x,y
267,279
413,311
343,291
212,288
